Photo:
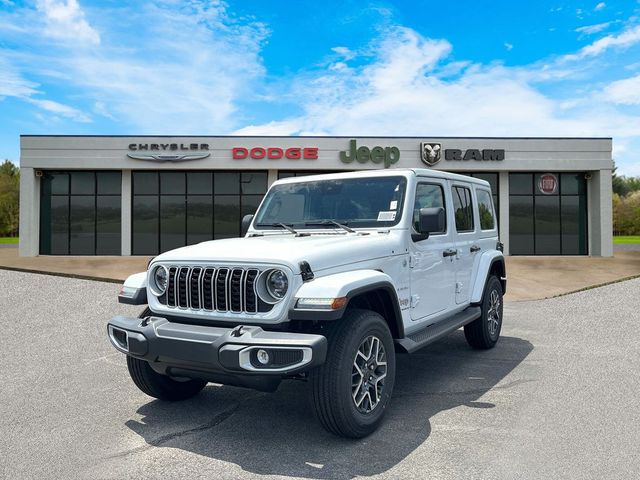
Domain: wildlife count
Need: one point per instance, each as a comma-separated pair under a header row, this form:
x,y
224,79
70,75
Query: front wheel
x,y
161,386
352,390
157,385
484,332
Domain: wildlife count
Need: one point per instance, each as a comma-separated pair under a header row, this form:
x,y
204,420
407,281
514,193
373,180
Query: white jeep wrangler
x,y
335,274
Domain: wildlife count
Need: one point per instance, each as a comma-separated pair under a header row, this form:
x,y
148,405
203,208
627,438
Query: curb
x,y
60,274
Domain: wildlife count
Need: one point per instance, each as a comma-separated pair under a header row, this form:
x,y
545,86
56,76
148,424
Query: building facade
x,y
142,195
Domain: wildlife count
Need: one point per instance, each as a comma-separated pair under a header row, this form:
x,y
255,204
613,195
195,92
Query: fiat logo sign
x,y
548,184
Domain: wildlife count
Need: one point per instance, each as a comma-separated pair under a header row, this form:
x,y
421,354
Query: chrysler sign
x,y
197,151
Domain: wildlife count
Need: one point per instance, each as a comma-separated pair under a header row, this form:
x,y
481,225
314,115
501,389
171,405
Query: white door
x,y
432,273
465,239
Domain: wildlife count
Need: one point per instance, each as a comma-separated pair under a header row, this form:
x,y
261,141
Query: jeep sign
x,y
387,155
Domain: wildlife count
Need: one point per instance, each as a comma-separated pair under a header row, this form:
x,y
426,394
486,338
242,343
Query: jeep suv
x,y
334,276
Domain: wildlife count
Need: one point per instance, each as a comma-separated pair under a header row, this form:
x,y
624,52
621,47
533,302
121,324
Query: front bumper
x,y
221,355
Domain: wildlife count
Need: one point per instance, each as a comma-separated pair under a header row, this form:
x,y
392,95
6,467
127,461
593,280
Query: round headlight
x,y
160,278
277,284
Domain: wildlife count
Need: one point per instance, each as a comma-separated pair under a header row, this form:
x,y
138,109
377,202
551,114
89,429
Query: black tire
x,y
157,385
484,332
332,383
161,386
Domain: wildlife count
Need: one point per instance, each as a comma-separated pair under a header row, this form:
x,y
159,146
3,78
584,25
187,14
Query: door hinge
x,y
413,261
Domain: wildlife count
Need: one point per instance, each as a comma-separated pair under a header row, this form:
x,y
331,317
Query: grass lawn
x,y
9,240
626,239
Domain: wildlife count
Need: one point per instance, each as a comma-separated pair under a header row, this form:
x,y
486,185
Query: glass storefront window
x,y
551,222
520,184
191,207
83,183
521,225
80,213
145,225
145,183
172,183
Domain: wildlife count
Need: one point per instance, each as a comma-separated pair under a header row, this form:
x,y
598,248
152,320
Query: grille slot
x,y
171,287
181,293
207,289
223,289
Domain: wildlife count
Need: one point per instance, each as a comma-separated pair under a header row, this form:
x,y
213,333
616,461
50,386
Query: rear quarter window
x,y
486,210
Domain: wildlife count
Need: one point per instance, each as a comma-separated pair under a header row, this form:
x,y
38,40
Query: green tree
x,y
9,199
623,185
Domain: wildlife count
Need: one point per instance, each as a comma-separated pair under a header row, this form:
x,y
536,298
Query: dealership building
x,y
142,195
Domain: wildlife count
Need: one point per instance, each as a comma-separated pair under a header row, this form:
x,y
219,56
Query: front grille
x,y
213,289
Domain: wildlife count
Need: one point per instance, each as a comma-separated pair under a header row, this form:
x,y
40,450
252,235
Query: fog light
x,y
262,356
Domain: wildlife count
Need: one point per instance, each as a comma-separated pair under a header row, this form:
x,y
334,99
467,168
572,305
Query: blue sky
x,y
425,68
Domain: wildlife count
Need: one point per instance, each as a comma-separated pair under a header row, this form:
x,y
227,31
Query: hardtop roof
x,y
389,172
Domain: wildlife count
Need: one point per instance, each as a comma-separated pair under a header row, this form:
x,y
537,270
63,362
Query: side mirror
x,y
246,222
431,220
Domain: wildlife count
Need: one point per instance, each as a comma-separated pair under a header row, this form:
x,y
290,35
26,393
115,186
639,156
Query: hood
x,y
320,250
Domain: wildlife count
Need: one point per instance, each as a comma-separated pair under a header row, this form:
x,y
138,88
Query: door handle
x,y
450,252
475,248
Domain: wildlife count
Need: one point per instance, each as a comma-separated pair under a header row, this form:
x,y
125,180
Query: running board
x,y
436,331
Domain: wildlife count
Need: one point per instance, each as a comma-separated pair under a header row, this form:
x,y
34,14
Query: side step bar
x,y
436,331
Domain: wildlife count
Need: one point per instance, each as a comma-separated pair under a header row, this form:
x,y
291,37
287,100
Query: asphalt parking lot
x,y
557,398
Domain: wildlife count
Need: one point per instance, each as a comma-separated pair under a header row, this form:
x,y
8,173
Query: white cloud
x,y
591,29
65,20
625,91
59,109
600,6
344,52
12,84
403,92
183,69
627,38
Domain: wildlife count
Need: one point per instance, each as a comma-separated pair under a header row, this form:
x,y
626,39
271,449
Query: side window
x,y
463,209
428,195
485,209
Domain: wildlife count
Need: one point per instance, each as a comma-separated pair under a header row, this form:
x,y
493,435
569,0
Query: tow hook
x,y
237,332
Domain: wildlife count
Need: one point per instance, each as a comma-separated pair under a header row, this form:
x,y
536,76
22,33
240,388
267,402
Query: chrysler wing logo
x,y
168,158
430,153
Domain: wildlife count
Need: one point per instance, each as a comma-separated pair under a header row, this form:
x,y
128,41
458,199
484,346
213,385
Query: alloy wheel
x,y
493,314
368,374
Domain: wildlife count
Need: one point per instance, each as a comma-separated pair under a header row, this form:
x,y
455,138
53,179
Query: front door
x,y
432,273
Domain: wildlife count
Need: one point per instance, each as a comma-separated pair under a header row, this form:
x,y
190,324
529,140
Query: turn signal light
x,y
321,303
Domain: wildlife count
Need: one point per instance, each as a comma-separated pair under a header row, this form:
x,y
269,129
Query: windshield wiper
x,y
289,228
326,223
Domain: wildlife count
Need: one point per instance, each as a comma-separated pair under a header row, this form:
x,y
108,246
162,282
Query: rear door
x,y
465,237
432,274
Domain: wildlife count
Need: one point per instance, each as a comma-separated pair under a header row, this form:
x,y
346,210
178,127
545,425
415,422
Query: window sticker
x,y
386,216
393,205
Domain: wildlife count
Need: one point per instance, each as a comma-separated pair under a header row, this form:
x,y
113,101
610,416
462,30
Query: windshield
x,y
356,202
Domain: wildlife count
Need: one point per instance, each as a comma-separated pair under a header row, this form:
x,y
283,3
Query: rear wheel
x,y
484,332
352,390
161,386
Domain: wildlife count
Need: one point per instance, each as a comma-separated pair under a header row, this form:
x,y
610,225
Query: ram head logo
x,y
430,153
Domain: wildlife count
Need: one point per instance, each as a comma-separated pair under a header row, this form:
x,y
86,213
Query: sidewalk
x,y
529,278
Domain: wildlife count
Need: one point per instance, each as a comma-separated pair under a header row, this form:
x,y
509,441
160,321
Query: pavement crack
x,y
158,442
